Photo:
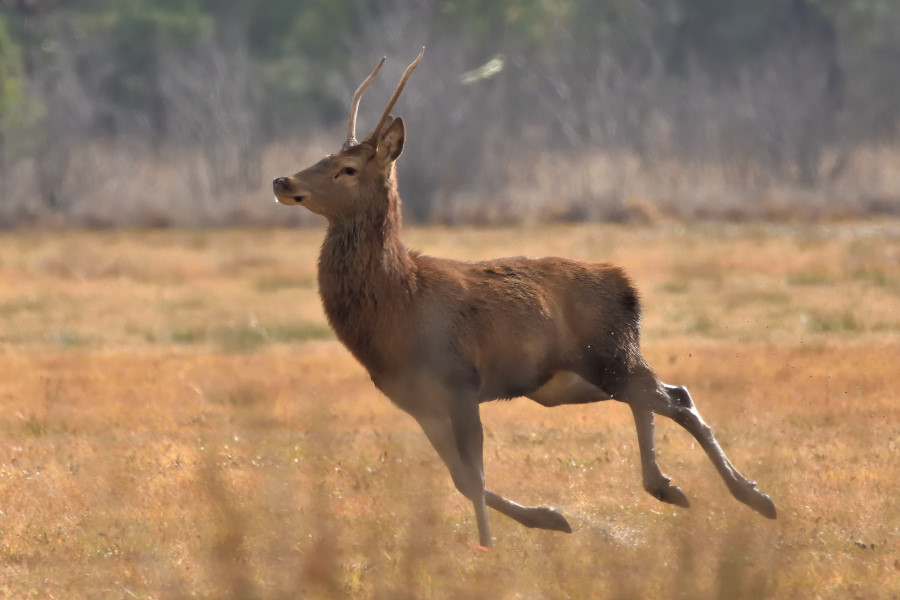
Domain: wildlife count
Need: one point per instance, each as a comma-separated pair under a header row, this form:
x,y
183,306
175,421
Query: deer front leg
x,y
458,439
656,484
469,437
450,438
540,517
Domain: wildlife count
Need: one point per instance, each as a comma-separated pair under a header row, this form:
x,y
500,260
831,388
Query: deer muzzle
x,y
286,192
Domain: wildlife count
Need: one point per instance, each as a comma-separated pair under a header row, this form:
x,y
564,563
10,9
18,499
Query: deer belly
x,y
566,387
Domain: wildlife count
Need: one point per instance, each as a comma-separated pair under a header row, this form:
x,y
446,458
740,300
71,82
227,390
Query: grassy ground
x,y
176,420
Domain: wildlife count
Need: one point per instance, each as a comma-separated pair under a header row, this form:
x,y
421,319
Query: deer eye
x,y
349,171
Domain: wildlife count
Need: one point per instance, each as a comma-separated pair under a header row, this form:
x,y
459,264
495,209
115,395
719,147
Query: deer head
x,y
353,180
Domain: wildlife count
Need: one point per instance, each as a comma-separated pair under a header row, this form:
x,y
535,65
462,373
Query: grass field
x,y
177,420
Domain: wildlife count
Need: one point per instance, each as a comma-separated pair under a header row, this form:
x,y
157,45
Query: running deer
x,y
439,337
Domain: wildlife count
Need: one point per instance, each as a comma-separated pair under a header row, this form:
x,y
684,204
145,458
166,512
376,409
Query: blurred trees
x,y
18,115
770,89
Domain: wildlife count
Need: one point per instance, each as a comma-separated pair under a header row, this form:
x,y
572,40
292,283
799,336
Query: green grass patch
x,y
809,278
249,338
186,303
768,297
701,325
66,338
242,338
876,277
35,427
239,397
15,306
743,297
842,323
188,336
300,332
673,287
885,327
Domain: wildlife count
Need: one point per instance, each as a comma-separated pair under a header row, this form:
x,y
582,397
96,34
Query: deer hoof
x,y
671,494
547,518
746,492
762,504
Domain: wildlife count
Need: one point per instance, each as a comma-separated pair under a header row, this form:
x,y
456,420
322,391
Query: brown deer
x,y
439,337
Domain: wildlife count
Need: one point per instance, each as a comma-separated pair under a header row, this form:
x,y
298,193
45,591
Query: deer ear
x,y
390,143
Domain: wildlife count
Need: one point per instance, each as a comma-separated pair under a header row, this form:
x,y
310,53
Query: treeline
x,y
158,112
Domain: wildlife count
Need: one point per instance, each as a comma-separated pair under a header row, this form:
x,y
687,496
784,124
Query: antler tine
x,y
354,105
390,105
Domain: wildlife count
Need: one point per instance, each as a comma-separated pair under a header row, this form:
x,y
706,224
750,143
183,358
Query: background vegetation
x,y
158,112
177,420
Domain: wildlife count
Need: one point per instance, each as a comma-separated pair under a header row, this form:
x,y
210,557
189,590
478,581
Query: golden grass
x,y
176,420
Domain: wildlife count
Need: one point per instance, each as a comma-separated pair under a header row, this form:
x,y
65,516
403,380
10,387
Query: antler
x,y
374,135
354,105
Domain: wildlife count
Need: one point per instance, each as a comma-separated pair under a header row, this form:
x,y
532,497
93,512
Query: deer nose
x,y
280,183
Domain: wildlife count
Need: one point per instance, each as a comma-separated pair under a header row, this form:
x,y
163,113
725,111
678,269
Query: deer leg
x,y
680,408
469,437
470,442
644,393
540,517
458,439
441,434
656,484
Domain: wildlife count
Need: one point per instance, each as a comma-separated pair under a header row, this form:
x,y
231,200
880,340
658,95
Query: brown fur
x,y
439,337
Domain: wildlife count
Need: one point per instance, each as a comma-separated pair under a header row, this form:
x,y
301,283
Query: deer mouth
x,y
290,200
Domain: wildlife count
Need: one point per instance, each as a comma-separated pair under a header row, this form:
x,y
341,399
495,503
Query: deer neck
x,y
366,277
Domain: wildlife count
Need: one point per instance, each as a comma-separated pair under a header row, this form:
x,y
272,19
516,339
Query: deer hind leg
x,y
674,402
681,409
656,484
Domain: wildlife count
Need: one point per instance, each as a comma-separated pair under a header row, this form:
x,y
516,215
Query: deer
x,y
441,337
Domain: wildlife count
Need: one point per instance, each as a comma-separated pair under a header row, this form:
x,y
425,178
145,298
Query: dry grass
x,y
176,420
